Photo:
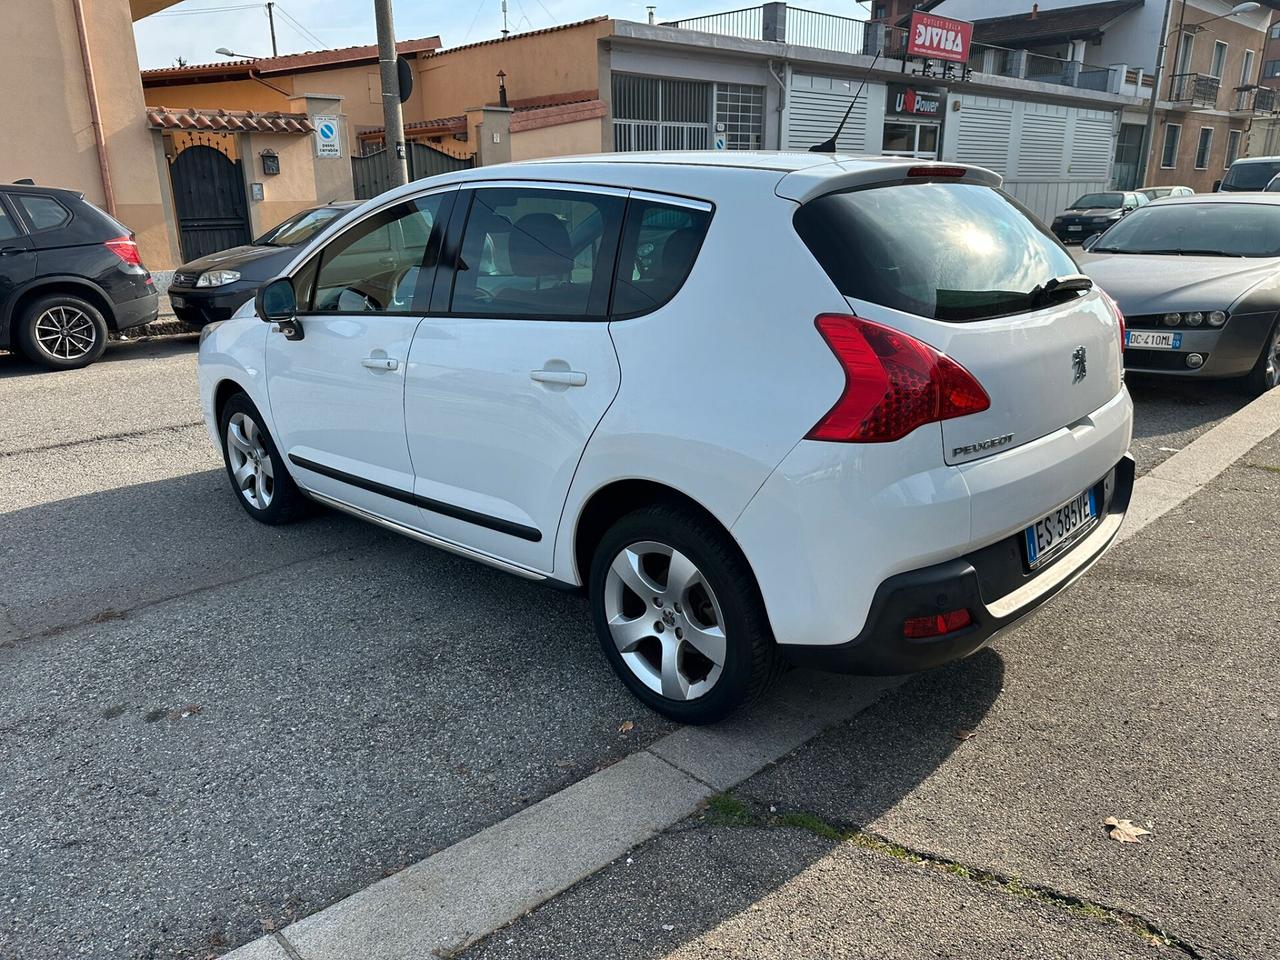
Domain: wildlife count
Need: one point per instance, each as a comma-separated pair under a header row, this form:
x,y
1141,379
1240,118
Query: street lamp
x,y
223,51
1148,133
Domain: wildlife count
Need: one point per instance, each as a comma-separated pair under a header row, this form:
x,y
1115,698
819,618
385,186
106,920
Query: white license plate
x,y
176,301
1048,537
1076,228
1152,340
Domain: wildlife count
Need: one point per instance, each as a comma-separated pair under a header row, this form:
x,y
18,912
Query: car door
x,y
514,368
337,394
17,258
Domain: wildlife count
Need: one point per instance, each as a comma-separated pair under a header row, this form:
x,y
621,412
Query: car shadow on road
x,y
1197,402
14,364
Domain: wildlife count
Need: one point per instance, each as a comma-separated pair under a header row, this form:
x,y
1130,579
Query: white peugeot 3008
x,y
861,414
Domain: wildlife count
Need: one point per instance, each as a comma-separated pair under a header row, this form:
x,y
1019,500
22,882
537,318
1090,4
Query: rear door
x,y
17,260
515,367
958,266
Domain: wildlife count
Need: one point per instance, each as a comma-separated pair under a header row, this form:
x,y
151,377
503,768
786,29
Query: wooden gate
x,y
371,175
208,194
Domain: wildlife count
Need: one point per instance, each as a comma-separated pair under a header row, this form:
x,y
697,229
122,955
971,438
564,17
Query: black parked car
x,y
216,286
1094,212
69,274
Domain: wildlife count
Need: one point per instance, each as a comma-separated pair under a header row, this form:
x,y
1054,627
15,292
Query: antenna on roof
x,y
829,146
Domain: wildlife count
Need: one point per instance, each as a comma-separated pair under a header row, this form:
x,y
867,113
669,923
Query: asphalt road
x,y
209,728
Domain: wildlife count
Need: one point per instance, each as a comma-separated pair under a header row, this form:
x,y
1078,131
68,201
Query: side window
x,y
8,229
537,253
375,267
660,242
45,213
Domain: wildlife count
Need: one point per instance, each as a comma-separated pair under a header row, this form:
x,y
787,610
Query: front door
x,y
507,383
337,394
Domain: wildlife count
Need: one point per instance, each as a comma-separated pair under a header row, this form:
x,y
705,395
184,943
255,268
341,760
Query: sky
x,y
194,29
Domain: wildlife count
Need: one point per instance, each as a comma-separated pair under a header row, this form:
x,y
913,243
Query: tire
x,y
257,472
650,639
1265,374
62,332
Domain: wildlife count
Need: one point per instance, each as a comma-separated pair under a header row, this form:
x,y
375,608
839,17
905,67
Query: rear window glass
x,y
948,251
659,244
1250,176
45,213
1198,229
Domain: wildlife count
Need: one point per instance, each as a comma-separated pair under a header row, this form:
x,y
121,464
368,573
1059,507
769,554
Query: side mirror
x,y
1090,242
277,303
1217,185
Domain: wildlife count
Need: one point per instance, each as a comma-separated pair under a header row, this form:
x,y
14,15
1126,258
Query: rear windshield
x,y
1250,176
1093,200
948,251
1239,229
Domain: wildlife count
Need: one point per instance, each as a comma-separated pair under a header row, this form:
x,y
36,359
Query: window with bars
x,y
660,113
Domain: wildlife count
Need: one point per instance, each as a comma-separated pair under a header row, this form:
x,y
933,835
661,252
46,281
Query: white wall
x,y
1048,154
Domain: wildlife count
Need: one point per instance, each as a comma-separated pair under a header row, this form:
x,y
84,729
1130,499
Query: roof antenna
x,y
829,146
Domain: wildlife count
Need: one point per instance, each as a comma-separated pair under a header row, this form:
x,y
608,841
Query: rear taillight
x,y
1119,314
126,248
893,383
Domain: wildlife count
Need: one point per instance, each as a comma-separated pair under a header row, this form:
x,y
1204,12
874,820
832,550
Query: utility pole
x,y
271,19
393,119
1149,131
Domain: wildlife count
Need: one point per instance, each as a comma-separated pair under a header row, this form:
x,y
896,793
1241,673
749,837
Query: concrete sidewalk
x,y
962,815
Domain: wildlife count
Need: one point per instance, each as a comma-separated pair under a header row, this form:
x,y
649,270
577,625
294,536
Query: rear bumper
x,y
134,313
992,583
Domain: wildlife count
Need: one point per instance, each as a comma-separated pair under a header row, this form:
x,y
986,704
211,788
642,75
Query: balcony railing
x,y
1195,89
1256,100
826,31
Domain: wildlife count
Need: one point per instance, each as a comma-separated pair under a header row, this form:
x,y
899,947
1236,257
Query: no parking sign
x,y
327,144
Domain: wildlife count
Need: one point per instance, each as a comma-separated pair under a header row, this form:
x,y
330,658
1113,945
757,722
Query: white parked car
x,y
856,413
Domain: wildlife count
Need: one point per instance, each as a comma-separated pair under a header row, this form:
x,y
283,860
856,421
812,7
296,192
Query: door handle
x,y
566,378
380,363
11,251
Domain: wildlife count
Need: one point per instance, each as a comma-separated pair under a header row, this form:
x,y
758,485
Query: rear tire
x,y
1265,374
257,472
62,332
679,615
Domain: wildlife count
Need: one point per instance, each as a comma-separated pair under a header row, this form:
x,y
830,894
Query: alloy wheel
x,y
665,620
66,333
1273,360
250,461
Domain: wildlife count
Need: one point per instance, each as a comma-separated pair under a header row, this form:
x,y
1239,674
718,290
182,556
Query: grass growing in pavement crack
x,y
1269,467
727,810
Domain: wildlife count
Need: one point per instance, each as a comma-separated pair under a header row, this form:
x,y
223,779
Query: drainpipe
x,y
95,115
782,98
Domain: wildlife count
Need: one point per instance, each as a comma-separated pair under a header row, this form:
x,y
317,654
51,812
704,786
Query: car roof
x,y
1269,199
1244,160
32,189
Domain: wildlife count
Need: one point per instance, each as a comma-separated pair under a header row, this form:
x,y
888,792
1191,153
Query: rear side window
x,y
1254,175
8,229
45,213
532,252
948,251
660,242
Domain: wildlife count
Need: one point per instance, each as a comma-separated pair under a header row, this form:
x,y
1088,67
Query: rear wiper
x,y
1070,283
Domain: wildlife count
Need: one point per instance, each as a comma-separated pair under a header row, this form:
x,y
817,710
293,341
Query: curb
x,y
450,900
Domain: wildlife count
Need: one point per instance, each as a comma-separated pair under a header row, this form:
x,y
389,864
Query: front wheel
x,y
679,616
1265,374
254,465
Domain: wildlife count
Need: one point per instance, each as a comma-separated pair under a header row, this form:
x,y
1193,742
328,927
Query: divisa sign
x,y
939,38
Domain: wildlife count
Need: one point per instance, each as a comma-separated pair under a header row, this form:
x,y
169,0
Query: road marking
x,y
452,899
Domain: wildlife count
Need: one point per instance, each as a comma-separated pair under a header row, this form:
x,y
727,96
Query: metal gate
x,y
208,196
371,175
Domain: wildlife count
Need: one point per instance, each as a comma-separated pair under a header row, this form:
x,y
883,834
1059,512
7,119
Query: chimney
x,y
502,88
652,10
1035,11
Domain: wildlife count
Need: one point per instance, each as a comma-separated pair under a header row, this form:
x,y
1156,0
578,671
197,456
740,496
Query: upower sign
x,y
914,102
939,38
